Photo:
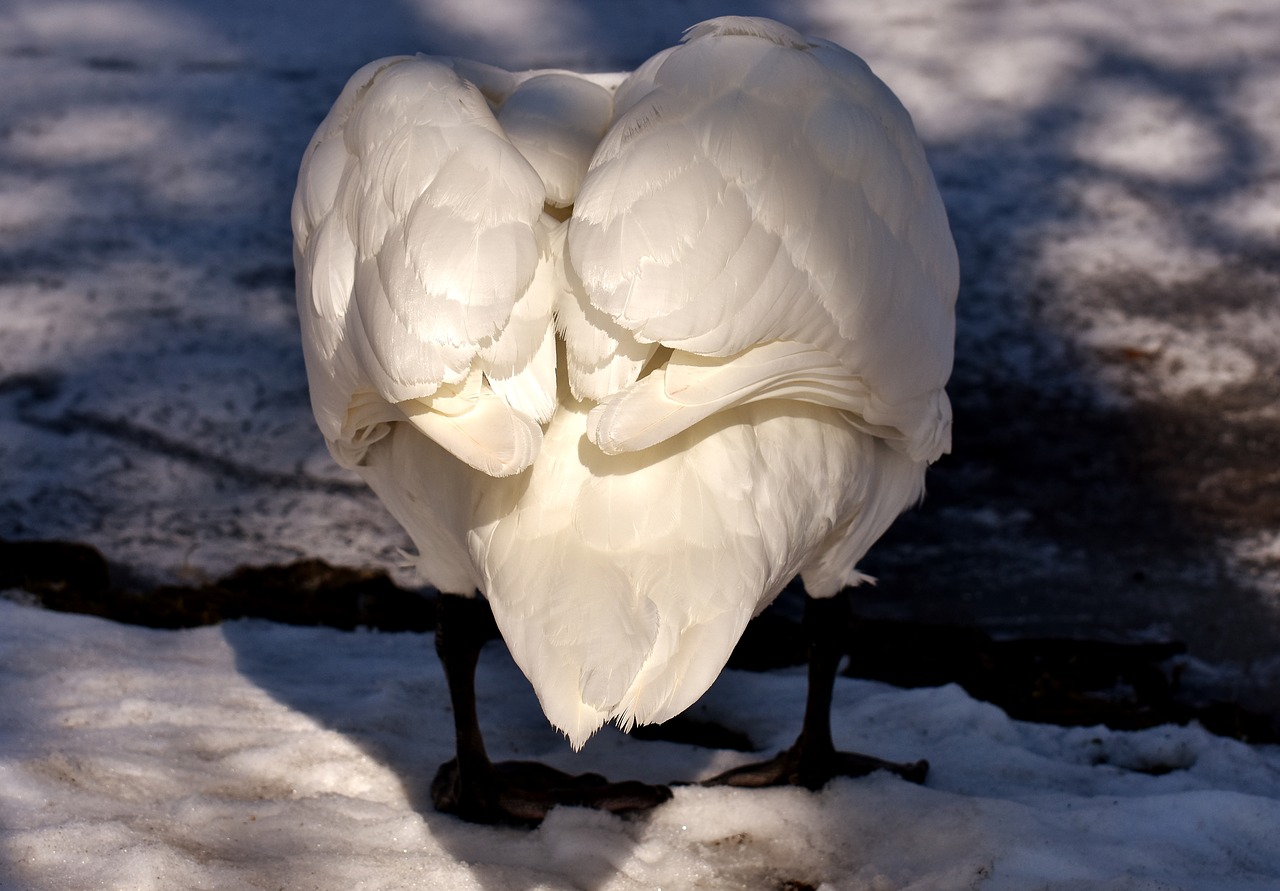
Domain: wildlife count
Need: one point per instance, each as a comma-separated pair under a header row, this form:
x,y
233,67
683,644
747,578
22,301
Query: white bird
x,y
627,353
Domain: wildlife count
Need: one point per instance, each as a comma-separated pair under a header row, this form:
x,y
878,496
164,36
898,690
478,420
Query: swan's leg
x,y
521,792
464,785
813,760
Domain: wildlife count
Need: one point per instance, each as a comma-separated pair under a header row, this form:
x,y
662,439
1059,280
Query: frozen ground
x,y
1112,170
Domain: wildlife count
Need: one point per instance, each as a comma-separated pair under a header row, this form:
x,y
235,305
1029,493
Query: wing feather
x,y
691,388
758,188
414,223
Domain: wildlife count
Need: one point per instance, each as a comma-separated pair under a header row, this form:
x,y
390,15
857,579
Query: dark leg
x,y
521,792
813,760
463,786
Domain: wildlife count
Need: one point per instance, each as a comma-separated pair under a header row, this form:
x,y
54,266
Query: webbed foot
x,y
796,767
522,792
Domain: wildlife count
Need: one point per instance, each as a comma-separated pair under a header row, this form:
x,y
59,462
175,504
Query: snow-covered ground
x,y
1112,170
255,755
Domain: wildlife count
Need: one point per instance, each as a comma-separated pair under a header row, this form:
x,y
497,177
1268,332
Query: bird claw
x,y
523,792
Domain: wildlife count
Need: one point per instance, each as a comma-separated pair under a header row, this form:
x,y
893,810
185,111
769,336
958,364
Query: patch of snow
x,y
1177,361
1119,229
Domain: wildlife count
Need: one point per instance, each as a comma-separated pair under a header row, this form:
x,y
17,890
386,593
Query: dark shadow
x,y
1062,510
402,725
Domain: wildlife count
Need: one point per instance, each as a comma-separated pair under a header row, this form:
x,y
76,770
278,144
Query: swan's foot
x,y
514,792
796,767
814,761
522,792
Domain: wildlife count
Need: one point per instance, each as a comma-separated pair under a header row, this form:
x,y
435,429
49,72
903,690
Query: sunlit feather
x,y
628,354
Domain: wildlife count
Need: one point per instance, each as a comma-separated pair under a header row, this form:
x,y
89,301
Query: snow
x,y
254,755
1112,171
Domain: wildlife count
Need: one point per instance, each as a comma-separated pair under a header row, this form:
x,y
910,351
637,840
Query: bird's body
x,y
628,353
622,582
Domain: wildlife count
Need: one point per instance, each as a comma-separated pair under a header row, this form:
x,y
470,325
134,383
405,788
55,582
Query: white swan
x,y
626,353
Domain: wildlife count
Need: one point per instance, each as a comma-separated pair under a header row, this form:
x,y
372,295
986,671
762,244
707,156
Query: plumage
x,y
627,354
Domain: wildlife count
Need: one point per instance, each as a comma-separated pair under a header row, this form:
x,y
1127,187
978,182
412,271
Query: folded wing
x,y
763,207
418,243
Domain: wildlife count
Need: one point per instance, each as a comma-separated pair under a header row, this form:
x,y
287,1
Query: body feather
x,y
627,354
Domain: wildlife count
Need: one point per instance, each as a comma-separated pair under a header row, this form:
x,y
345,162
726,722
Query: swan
x,y
627,353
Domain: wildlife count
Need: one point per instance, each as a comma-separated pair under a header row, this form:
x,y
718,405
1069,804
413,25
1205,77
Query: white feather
x,y
414,230
556,120
803,210
629,353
